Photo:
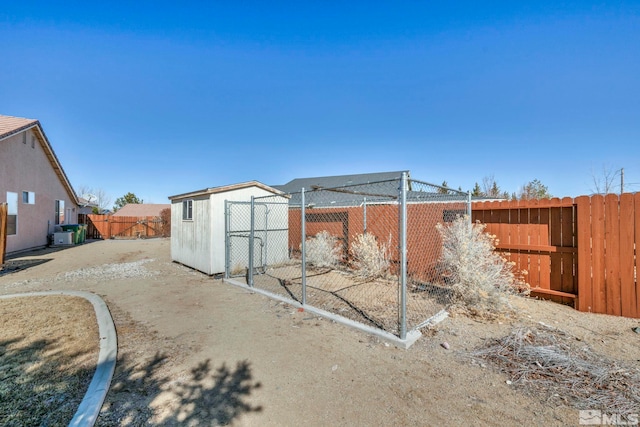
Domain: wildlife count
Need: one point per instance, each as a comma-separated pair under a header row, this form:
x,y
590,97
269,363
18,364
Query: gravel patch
x,y
105,272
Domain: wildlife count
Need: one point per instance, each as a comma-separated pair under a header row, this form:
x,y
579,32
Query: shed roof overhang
x,y
227,188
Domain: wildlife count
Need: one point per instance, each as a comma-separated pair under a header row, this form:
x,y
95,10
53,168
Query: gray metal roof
x,y
355,190
316,183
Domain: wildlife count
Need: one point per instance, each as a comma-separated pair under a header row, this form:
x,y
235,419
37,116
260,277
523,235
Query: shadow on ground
x,y
34,389
13,266
208,397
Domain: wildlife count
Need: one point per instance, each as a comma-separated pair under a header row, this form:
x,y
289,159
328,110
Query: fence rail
x,y
580,251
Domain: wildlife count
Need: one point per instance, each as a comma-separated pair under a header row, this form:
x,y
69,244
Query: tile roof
x,y
10,125
142,209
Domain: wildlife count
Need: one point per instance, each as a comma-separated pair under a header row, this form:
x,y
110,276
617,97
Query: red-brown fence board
x,y
627,227
531,234
597,254
583,249
612,254
583,241
636,221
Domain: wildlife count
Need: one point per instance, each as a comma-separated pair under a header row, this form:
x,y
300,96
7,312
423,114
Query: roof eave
x,y
227,188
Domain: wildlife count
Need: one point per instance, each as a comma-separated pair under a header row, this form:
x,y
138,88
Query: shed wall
x,y
200,243
190,242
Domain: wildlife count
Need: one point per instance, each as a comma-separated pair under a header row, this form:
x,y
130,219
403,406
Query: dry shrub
x,y
370,259
323,250
165,217
550,362
481,279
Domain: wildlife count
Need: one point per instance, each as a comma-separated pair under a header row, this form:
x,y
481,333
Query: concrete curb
x,y
89,408
412,336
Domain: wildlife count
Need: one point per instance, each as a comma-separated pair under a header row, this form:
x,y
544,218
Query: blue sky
x,y
160,98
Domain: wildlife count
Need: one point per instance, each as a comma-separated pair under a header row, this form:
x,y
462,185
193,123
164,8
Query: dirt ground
x,y
196,351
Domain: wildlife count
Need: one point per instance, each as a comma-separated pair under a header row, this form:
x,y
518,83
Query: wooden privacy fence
x,y
125,227
579,250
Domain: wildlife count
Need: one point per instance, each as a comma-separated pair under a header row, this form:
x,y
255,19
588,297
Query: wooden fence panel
x,y
569,259
101,223
537,235
544,258
584,249
612,254
109,226
636,221
585,261
627,280
597,254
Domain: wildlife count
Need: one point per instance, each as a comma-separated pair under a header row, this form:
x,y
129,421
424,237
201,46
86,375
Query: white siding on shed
x,y
200,242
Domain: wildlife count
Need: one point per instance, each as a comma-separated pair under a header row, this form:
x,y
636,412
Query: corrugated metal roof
x,y
308,184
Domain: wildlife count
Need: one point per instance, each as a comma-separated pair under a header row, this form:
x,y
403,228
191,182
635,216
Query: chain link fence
x,y
368,252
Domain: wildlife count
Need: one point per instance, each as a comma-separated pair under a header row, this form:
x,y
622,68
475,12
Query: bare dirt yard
x,y
196,351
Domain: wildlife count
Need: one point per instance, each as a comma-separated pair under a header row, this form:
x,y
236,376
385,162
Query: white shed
x,y
199,227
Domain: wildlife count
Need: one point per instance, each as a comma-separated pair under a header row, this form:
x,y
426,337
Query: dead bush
x,y
370,259
323,250
165,217
481,279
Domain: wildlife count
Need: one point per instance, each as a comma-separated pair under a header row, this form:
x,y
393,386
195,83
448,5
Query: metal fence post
x,y
303,247
403,254
227,241
469,204
364,216
251,243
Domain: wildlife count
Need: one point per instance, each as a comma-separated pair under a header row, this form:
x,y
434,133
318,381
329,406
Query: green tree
x,y
534,190
126,199
477,191
444,188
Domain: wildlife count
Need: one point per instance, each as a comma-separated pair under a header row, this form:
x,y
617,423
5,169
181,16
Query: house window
x,y
59,211
24,137
187,210
12,213
28,197
33,142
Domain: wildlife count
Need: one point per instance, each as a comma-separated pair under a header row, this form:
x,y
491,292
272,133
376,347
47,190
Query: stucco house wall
x,y
26,166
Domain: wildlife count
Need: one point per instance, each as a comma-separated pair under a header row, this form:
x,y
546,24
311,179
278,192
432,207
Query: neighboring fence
x,y
370,252
123,227
580,251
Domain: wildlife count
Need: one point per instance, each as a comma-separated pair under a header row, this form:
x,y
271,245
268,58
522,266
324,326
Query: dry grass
x,y
48,350
548,362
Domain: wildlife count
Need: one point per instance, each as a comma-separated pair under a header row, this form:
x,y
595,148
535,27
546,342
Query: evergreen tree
x,y
124,200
